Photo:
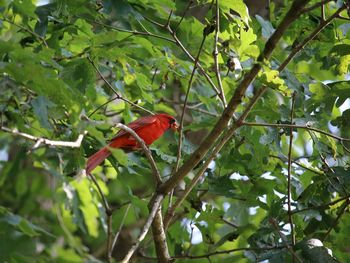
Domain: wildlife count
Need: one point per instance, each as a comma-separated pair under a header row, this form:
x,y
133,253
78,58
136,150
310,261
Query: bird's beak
x,y
174,126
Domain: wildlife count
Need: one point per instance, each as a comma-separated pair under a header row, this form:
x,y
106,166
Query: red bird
x,y
149,128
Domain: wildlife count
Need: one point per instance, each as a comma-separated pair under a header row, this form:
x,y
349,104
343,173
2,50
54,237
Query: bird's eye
x,y
171,121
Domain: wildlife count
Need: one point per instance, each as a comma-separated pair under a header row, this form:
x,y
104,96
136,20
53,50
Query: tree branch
x,y
217,149
222,123
160,238
157,225
156,202
40,140
178,158
257,95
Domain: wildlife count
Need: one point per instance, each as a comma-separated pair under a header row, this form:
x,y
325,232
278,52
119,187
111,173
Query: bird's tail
x,y
97,158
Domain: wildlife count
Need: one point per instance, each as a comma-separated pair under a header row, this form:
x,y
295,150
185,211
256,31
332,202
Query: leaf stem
x,y
289,176
118,96
216,53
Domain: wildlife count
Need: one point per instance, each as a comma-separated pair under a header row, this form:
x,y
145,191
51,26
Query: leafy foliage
x,y
65,65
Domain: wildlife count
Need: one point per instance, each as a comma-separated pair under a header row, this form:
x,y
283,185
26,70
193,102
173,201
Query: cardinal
x,y
149,128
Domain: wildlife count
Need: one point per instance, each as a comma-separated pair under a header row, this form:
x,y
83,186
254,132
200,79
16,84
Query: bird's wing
x,y
137,124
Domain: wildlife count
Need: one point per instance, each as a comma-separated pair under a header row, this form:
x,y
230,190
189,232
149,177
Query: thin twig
x,y
229,223
169,18
109,237
284,239
179,43
343,18
157,201
104,199
75,144
323,13
345,148
185,105
204,111
216,53
284,159
119,230
145,149
102,105
179,148
154,22
323,206
183,15
289,176
27,30
230,251
341,212
295,126
300,46
319,4
201,69
118,96
194,107
154,75
109,214
132,32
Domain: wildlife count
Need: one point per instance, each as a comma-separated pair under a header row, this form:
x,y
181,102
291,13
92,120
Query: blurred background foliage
x,y
50,88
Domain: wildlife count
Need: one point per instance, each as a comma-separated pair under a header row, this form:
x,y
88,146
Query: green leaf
x,y
267,28
341,49
272,79
78,74
87,206
23,225
24,8
120,155
314,251
165,157
325,95
222,185
237,6
41,106
228,237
